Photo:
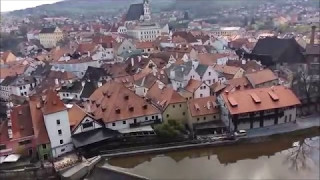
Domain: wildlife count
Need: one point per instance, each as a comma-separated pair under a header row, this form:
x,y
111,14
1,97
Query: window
x,y
3,146
134,120
61,141
59,132
209,73
173,106
44,146
180,105
62,150
24,142
24,87
184,113
21,88
198,119
124,122
21,94
58,122
201,95
146,118
290,116
45,156
63,94
204,118
204,87
214,117
113,124
25,93
87,124
152,117
167,115
285,119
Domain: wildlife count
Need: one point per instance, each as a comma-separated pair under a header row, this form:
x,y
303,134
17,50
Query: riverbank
x,y
253,135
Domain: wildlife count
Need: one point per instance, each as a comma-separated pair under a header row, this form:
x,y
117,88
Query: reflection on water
x,y
281,158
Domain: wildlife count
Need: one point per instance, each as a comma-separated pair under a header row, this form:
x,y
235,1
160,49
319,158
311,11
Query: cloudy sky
x,y
10,5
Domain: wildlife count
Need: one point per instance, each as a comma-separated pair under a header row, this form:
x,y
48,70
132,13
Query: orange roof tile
x,y
144,45
193,85
231,70
260,77
238,84
113,102
246,103
203,106
162,96
39,127
210,59
52,103
21,121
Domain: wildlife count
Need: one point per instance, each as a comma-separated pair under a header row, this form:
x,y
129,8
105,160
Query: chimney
x,y
132,62
83,83
313,30
99,84
88,53
56,81
139,58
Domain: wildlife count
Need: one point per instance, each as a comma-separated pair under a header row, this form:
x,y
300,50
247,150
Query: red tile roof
x,y
39,127
21,121
162,96
203,106
245,102
52,103
76,115
262,76
193,85
113,102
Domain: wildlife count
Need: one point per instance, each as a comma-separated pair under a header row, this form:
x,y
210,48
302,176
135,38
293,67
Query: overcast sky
x,y
10,5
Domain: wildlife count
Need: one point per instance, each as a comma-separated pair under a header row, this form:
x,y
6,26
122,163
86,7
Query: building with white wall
x,y
57,124
16,85
49,37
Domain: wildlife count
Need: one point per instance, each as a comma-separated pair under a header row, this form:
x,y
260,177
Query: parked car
x,y
240,133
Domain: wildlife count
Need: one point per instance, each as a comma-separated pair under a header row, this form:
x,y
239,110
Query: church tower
x,y
146,10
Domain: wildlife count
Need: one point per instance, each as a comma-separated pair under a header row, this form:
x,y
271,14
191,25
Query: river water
x,y
281,157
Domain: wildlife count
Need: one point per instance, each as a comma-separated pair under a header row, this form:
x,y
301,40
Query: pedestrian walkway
x,y
301,123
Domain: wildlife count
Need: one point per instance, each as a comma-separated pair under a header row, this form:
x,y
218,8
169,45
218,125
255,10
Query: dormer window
x,y
131,109
145,106
118,111
126,97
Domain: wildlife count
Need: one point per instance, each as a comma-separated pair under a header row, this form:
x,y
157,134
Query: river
x,y
282,157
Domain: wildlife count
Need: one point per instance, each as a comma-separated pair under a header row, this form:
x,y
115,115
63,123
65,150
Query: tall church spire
x,y
146,10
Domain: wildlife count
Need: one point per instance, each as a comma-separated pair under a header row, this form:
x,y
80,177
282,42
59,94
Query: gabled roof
x,y
39,127
237,84
193,85
42,70
201,69
86,47
47,30
243,101
162,96
75,87
8,80
210,59
52,103
279,50
76,115
180,70
114,102
21,121
135,12
260,77
185,35
146,81
94,73
88,89
203,106
230,70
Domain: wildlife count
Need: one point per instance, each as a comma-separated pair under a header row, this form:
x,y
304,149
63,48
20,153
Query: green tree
x,y
170,129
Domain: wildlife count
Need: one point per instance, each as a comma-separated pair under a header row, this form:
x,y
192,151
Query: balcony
x,y
134,125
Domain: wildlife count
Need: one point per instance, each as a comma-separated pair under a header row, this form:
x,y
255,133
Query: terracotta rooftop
x,y
39,127
162,96
52,103
193,85
86,47
244,101
238,84
76,115
12,70
144,45
114,102
260,77
203,106
231,70
210,59
21,121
